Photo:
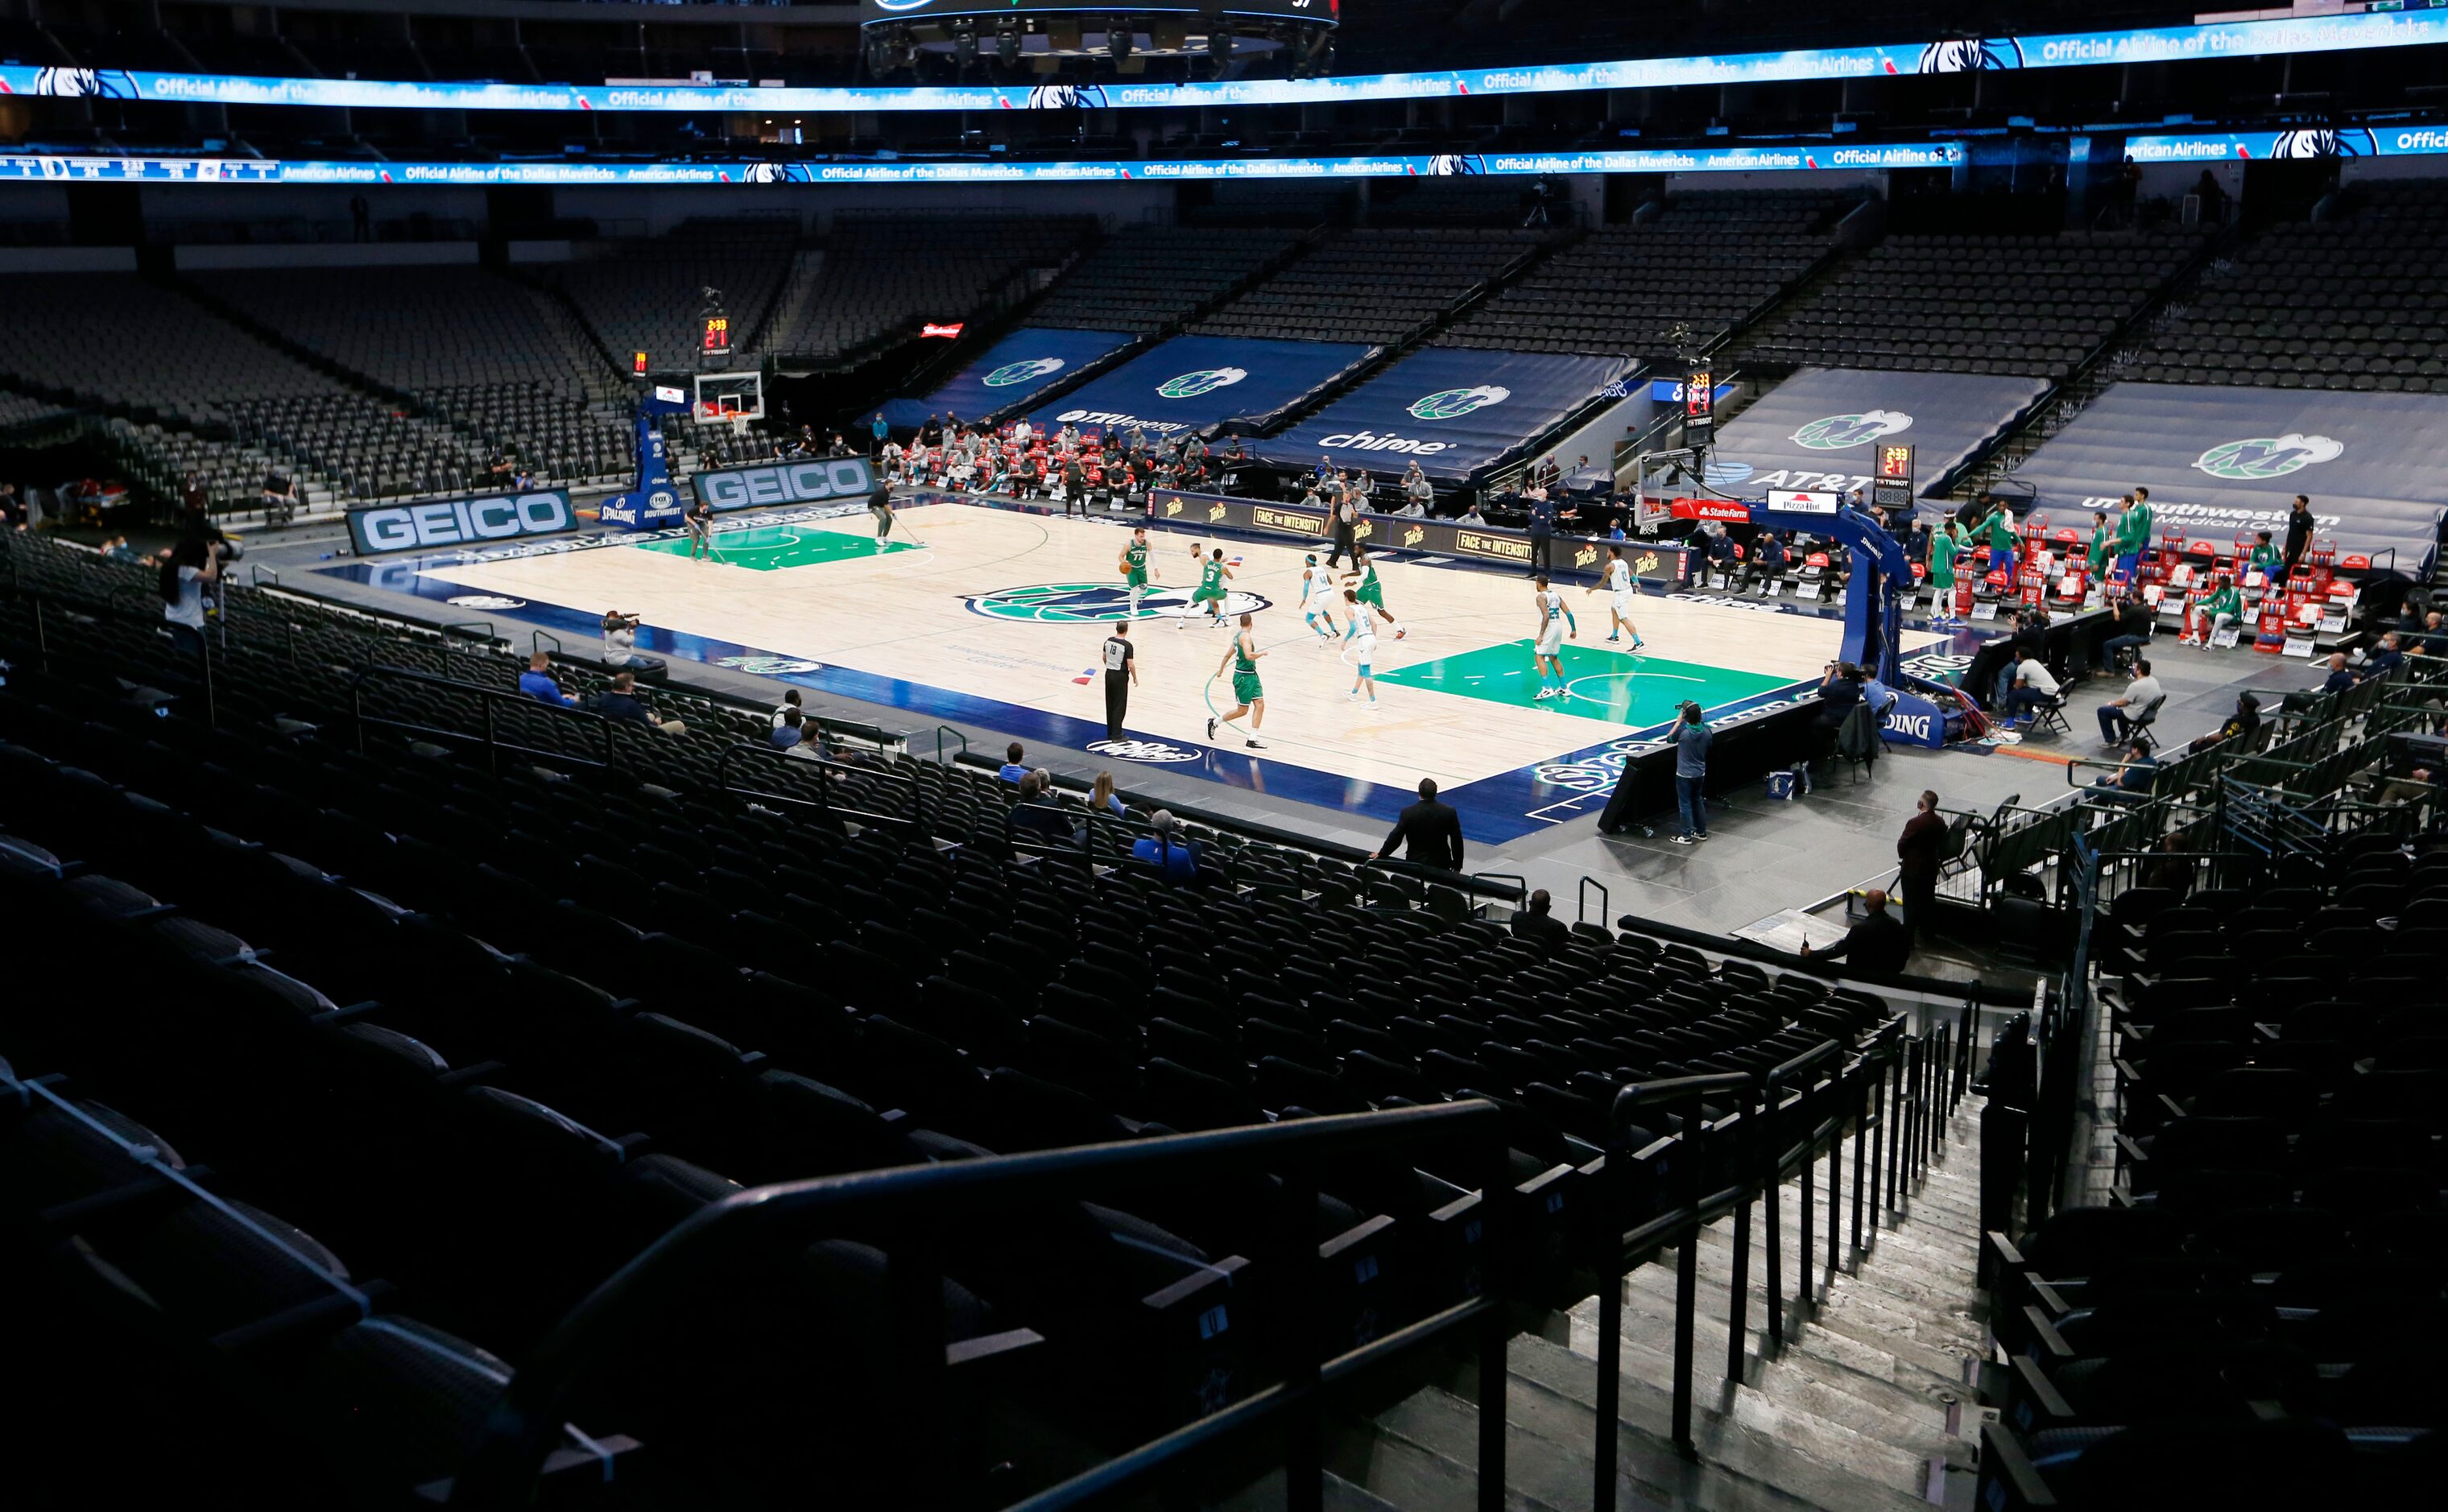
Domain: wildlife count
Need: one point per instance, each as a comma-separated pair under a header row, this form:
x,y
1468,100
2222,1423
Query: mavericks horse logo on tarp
x,y
1011,373
2263,457
1451,404
1098,603
1206,380
1834,432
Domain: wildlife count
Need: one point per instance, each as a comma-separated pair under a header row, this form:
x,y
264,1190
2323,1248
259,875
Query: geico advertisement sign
x,y
786,482
460,522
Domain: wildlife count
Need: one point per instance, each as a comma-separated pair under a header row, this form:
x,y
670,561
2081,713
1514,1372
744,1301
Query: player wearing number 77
x,y
1548,657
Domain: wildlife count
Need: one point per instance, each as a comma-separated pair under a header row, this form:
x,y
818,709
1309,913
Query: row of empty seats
x,y
2019,304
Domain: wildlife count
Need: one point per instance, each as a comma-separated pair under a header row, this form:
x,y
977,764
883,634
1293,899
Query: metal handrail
x,y
943,730
1581,900
823,802
488,699
526,1421
1678,1225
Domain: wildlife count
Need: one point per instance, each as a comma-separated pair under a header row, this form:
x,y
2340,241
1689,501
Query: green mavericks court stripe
x,y
774,547
1602,683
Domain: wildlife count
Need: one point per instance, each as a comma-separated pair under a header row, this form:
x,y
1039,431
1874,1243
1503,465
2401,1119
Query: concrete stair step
x,y
1792,1380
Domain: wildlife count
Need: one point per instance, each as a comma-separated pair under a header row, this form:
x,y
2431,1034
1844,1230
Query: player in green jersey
x,y
1249,696
1210,591
1370,594
1135,565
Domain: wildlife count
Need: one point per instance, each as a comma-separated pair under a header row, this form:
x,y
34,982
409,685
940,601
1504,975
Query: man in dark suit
x,y
1878,945
1917,857
1433,829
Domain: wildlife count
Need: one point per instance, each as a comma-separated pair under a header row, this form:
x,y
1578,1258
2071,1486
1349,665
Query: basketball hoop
x,y
738,423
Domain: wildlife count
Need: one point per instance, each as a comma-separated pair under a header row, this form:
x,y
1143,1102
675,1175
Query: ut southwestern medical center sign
x,y
460,522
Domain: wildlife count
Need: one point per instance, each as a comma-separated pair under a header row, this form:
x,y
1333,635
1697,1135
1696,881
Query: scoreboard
x,y
1891,476
717,342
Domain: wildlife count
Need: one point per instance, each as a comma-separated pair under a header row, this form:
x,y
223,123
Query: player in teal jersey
x,y
1547,653
1317,583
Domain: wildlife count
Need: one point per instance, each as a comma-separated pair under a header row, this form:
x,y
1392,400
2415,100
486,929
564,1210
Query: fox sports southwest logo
x,y
2263,457
1206,380
1450,404
1011,373
1100,602
1834,432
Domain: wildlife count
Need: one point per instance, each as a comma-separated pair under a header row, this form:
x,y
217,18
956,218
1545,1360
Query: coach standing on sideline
x,y
1122,670
1916,855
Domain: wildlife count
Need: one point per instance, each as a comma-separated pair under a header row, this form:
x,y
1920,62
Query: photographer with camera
x,y
620,647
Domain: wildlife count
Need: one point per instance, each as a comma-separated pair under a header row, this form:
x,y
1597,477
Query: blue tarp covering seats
x,y
2224,462
1192,383
1010,372
1818,428
1456,410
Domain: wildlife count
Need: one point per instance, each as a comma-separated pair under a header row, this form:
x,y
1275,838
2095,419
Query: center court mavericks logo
x,y
1156,752
1011,373
1206,380
484,601
1834,432
1451,404
2261,457
1100,602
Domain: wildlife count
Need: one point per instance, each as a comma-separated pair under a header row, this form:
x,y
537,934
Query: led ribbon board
x,y
68,169
2072,49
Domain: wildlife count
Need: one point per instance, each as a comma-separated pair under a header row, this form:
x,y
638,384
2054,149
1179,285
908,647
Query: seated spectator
x,y
1013,767
1879,945
2384,661
2171,868
1175,859
2117,714
619,702
2239,727
1471,514
2127,628
537,683
1036,815
790,731
2032,688
2433,640
117,550
2415,784
1840,691
621,646
1536,924
2130,783
2340,677
789,704
1102,800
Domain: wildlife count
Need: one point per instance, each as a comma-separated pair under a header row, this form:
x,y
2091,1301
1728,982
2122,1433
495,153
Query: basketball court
x,y
997,616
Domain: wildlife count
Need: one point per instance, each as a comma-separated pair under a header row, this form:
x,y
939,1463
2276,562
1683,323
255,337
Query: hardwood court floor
x,y
1013,607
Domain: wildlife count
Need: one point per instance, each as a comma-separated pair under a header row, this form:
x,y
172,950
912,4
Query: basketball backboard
x,y
730,397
